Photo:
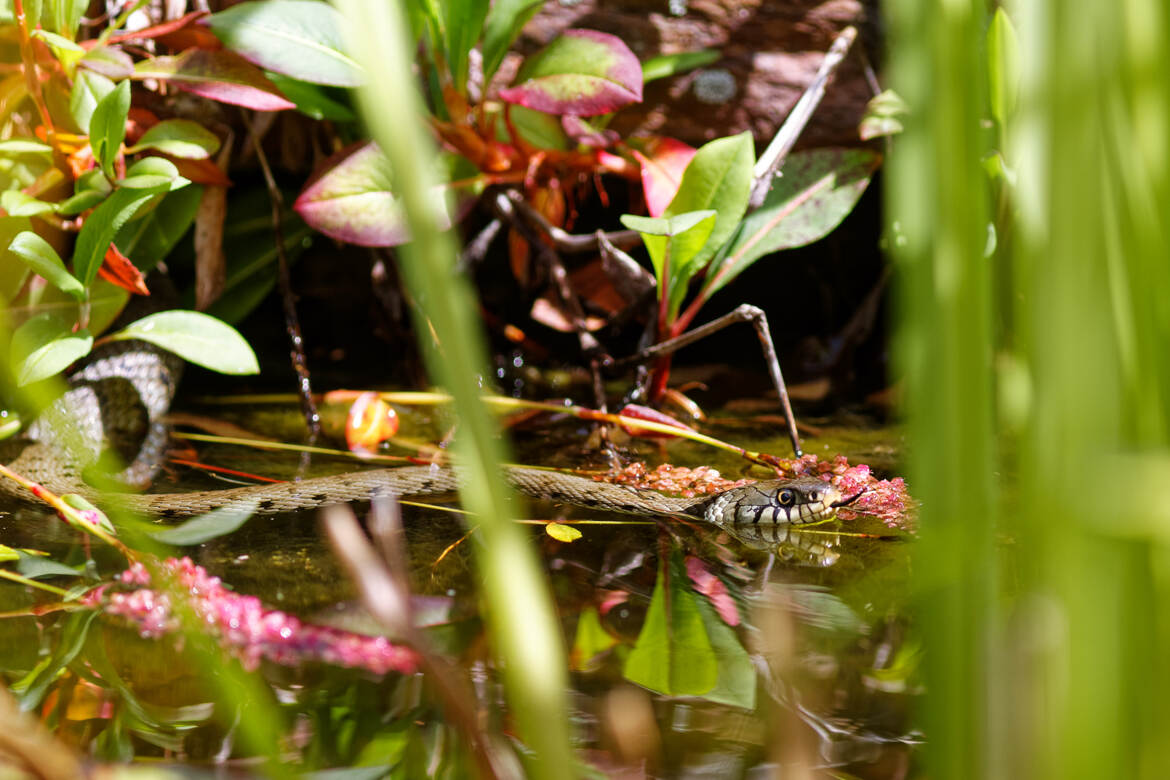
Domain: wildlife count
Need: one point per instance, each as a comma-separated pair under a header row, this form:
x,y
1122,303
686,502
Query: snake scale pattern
x,y
119,397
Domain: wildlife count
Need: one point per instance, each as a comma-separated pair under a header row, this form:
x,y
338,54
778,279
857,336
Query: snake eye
x,y
785,497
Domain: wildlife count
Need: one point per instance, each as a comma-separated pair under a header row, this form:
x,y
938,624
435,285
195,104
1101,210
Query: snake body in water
x,y
118,399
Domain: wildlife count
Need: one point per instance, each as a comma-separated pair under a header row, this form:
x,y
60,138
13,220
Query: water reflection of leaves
x,y
684,649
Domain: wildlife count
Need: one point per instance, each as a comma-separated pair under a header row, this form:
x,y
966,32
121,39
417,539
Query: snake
x,y
118,400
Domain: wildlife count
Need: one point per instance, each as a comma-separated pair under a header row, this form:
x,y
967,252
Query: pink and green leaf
x,y
218,75
353,200
583,72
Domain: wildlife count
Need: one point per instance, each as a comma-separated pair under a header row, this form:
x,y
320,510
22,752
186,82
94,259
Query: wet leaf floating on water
x,y
562,532
582,72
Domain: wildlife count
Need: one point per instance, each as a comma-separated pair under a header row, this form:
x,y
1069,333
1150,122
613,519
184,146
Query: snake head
x,y
787,501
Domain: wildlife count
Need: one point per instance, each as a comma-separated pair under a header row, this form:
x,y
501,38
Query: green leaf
x,y
18,204
197,338
44,346
107,127
63,16
31,689
544,131
464,22
25,146
882,114
178,138
1003,65
149,240
89,89
312,100
718,177
736,685
153,173
37,566
665,65
816,189
673,244
504,23
39,255
673,654
591,639
204,528
299,38
13,274
102,225
80,202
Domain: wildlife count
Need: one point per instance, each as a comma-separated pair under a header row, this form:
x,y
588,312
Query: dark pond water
x,y
692,654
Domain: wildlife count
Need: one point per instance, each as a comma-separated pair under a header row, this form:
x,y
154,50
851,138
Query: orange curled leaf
x,y
117,269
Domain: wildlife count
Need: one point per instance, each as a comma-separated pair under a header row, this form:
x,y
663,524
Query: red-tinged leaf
x,y
583,72
217,75
637,412
203,172
713,588
117,269
352,200
157,30
370,422
585,134
194,37
663,163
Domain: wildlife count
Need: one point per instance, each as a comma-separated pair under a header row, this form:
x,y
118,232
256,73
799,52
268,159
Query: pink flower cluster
x,y
241,623
885,499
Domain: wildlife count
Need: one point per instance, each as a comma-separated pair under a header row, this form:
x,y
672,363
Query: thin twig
x,y
743,313
770,161
292,323
563,240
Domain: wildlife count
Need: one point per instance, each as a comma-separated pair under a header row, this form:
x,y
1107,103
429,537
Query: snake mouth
x,y
844,502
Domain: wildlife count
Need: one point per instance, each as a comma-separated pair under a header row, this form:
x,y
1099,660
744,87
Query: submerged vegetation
x,y
151,203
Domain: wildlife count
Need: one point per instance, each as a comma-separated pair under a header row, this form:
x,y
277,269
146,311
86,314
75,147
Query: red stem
x,y
28,58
